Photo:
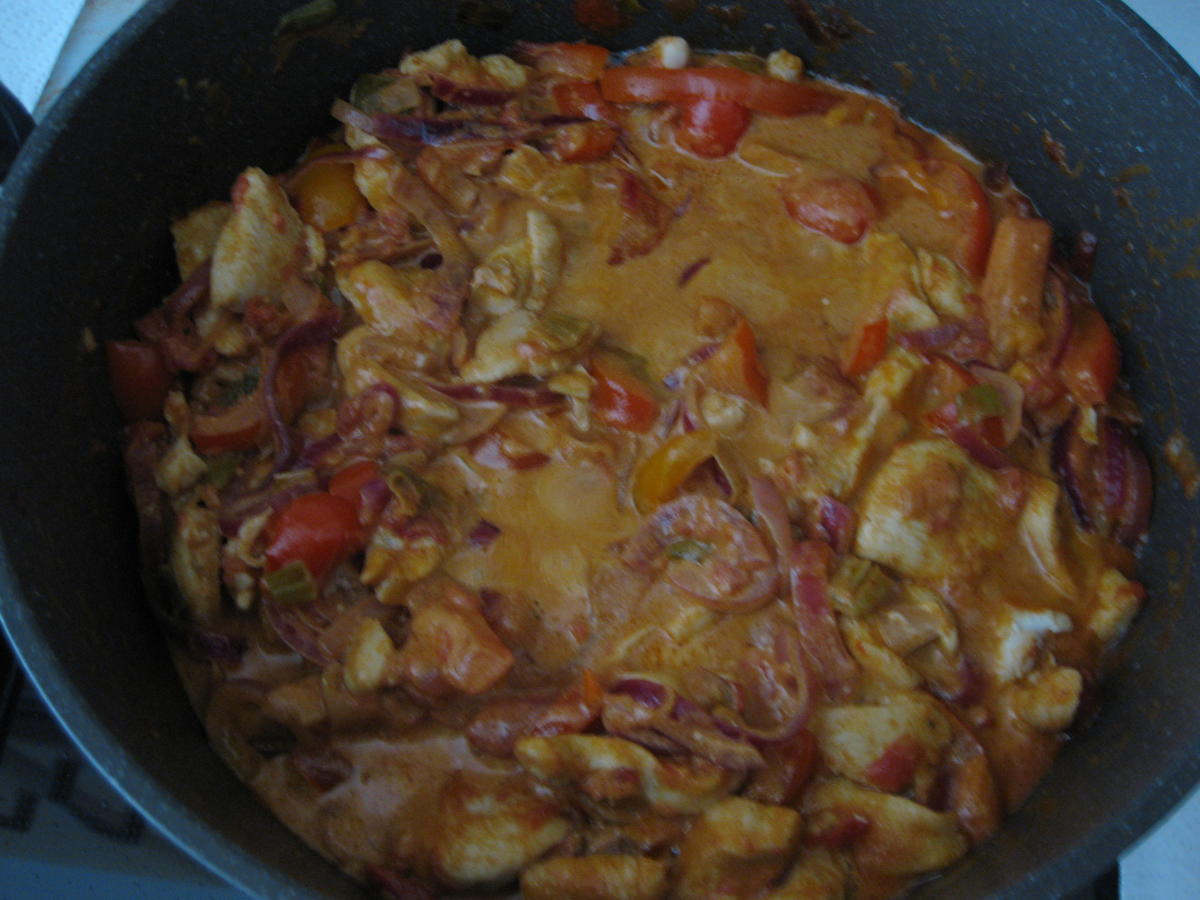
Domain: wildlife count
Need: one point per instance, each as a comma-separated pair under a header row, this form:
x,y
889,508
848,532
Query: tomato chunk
x,y
620,398
1091,362
712,128
735,367
866,347
139,377
318,529
840,207
951,214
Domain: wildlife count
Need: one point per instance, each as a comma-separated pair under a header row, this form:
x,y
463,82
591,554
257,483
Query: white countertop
x,y
44,42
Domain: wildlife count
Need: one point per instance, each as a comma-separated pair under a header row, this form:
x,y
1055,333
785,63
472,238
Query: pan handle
x,y
15,125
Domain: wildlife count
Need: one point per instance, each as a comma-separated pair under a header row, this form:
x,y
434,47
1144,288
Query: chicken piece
x,y
180,467
1041,531
521,272
918,619
488,829
196,560
818,875
883,670
1016,637
902,837
844,449
401,553
1047,699
242,558
196,235
297,704
612,769
452,60
263,242
597,877
930,512
1117,602
944,284
450,645
891,283
392,300
886,745
526,343
736,849
531,174
371,658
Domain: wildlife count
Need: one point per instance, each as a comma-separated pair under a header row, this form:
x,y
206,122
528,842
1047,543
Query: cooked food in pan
x,y
665,475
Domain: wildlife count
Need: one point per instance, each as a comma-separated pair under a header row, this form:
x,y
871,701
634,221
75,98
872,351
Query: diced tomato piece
x,y
362,484
583,142
580,62
620,398
866,347
958,219
646,84
711,128
894,769
736,368
1091,362
840,207
139,377
318,529
582,99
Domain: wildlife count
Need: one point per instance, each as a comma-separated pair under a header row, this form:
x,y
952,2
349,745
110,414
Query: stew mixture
x,y
657,476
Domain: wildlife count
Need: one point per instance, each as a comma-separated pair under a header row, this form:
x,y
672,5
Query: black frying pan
x,y
189,93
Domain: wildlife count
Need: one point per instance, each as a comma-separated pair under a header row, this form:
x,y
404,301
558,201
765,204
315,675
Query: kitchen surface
x,y
64,832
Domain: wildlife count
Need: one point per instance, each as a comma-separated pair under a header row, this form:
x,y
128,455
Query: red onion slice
x,y
771,510
314,332
837,523
818,630
458,94
934,338
483,534
978,447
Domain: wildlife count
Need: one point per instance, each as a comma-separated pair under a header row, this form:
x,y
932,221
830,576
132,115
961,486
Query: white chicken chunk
x,y
930,512
196,560
944,283
596,877
196,235
526,343
1048,699
262,243
736,849
450,58
1017,636
614,769
852,738
904,838
1117,602
891,283
488,830
1041,532
521,272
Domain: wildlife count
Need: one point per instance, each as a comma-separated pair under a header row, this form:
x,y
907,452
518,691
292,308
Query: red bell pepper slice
x,y
711,128
867,345
318,529
1092,359
620,398
645,84
839,207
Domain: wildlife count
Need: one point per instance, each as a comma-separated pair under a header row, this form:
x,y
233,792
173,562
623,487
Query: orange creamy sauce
x,y
409,783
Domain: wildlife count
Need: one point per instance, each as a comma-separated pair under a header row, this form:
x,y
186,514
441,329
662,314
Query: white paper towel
x,y
31,35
